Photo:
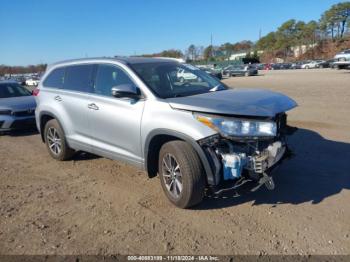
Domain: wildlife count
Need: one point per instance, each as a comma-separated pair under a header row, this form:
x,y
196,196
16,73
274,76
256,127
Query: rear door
x,y
116,122
75,97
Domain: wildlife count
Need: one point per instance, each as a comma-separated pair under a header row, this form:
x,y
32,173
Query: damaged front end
x,y
248,152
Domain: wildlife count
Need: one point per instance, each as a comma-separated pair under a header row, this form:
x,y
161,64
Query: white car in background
x,y
183,75
311,64
343,55
32,82
342,60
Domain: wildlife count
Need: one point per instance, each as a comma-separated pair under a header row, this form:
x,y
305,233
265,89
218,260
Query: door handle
x,y
93,106
58,98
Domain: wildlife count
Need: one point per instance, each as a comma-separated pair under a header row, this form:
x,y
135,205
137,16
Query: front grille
x,y
23,124
29,112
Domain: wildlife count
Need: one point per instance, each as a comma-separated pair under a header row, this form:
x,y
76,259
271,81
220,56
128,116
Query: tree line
x,y
14,70
333,25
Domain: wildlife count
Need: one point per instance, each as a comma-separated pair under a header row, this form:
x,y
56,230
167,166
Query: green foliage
x,y
166,53
171,53
267,42
22,69
336,20
334,23
208,52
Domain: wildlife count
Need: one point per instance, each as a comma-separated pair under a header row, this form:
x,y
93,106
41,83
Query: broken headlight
x,y
238,127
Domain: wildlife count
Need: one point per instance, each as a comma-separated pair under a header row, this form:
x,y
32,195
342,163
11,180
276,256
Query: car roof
x,y
8,82
121,59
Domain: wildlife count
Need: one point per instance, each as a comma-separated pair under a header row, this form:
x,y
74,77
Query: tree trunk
x,y
332,30
342,28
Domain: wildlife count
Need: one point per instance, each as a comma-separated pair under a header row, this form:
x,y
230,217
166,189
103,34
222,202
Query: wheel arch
x,y
44,117
158,137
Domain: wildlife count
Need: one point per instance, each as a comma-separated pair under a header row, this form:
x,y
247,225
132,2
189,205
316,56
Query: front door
x,y
116,122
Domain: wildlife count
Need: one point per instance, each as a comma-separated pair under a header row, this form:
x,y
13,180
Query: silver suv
x,y
193,131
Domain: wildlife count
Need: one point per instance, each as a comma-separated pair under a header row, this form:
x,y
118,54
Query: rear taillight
x,y
35,92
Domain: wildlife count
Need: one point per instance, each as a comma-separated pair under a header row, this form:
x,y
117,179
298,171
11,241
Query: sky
x,y
39,31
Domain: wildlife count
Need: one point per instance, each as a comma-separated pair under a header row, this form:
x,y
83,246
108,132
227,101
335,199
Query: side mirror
x,y
125,90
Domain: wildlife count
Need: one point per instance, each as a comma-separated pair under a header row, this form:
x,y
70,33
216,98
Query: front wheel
x,y
181,174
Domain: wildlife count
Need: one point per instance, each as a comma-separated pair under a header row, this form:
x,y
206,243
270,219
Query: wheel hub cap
x,y
172,176
54,141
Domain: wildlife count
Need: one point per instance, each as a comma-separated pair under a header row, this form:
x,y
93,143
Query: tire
x,y
306,67
60,151
182,80
188,171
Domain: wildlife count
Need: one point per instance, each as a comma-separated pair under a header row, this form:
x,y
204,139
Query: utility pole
x,y
260,34
211,45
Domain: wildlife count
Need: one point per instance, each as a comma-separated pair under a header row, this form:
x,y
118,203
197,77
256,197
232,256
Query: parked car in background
x,y
213,72
345,54
20,80
326,64
342,63
260,66
267,66
183,75
17,106
240,70
296,65
311,64
195,135
285,65
32,82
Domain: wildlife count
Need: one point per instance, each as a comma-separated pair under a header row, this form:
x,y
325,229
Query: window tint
x,y
109,76
78,78
12,90
55,78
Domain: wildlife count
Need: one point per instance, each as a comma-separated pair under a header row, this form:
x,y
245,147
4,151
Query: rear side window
x,y
78,78
55,79
109,76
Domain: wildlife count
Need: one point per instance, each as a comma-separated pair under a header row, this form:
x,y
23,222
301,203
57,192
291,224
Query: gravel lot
x,y
92,205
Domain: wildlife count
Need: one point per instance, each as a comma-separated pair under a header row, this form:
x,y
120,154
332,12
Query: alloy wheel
x,y
172,176
54,141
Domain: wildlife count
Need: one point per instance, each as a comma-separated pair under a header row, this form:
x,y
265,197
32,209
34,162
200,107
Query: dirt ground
x,y
93,205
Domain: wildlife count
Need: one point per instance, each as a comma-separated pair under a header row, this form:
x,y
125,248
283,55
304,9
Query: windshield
x,y
12,90
174,80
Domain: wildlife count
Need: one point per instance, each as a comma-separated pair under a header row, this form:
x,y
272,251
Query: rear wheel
x,y
56,142
181,174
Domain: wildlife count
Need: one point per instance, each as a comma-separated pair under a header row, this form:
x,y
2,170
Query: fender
x,y
188,139
53,116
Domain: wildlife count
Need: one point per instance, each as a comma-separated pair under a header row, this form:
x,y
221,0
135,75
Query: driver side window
x,y
108,76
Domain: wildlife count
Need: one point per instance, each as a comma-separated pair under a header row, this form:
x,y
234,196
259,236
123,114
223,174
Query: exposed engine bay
x,y
237,161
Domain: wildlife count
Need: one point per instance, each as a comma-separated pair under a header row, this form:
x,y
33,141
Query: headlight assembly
x,y
238,127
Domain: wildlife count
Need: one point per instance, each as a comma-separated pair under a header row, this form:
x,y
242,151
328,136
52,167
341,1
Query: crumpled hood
x,y
18,103
237,101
